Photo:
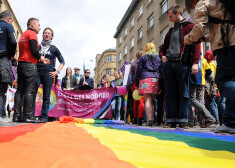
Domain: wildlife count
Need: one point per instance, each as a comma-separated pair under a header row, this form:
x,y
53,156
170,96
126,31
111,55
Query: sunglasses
x,y
88,72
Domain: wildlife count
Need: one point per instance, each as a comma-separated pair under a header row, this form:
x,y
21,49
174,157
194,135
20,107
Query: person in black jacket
x,y
7,51
68,81
86,83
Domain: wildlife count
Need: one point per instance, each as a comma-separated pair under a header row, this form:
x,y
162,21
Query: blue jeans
x,y
220,101
116,108
44,79
212,107
176,82
225,80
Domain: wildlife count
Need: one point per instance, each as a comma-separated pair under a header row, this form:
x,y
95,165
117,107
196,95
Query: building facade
x,y
4,5
105,64
144,21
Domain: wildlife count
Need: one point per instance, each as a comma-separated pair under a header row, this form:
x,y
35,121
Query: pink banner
x,y
94,103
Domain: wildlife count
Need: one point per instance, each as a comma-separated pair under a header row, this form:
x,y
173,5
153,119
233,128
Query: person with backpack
x,y
214,22
7,51
47,73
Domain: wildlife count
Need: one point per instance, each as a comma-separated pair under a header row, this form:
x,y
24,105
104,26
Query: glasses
x,y
88,72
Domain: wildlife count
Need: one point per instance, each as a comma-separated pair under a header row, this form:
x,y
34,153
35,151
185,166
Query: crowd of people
x,y
179,86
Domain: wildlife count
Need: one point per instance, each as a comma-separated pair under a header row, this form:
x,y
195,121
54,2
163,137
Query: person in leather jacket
x,y
29,56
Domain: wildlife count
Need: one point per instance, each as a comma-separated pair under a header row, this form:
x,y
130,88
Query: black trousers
x,y
27,73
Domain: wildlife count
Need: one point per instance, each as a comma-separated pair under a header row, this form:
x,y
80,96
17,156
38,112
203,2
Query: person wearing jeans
x,y
116,108
223,48
47,73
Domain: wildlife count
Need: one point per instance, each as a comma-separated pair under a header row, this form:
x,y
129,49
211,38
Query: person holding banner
x,y
47,73
104,82
147,75
68,81
86,83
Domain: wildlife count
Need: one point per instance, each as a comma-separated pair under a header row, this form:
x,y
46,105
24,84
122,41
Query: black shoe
x,y
31,120
169,125
17,119
184,125
139,121
41,120
134,120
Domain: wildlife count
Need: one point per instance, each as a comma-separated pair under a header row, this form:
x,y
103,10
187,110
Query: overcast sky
x,y
82,28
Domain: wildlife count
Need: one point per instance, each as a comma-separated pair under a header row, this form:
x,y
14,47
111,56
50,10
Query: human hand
x,y
164,59
53,74
46,61
194,69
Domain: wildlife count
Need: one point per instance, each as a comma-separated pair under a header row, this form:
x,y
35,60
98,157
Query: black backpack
x,y
229,6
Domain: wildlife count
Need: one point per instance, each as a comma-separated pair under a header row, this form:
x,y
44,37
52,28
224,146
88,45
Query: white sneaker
x,y
4,120
225,129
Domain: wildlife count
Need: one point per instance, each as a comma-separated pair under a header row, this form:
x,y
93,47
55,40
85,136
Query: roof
x,y
127,15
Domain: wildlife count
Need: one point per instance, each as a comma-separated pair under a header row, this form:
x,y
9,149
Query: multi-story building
x,y
105,64
144,21
4,5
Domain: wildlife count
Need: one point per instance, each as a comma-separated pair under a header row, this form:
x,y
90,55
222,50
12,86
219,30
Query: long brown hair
x,y
189,5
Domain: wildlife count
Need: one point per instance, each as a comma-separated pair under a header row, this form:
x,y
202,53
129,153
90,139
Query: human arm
x,y
200,28
61,60
12,41
35,52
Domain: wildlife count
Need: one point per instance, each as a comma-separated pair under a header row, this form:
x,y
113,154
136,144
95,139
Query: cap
x,y
76,68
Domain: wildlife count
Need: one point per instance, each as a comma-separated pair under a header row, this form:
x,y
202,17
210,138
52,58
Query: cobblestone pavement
x,y
193,129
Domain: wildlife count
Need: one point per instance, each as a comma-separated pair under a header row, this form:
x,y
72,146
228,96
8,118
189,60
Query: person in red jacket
x,y
176,71
29,56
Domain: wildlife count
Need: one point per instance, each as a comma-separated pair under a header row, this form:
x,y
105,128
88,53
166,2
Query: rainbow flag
x,y
109,145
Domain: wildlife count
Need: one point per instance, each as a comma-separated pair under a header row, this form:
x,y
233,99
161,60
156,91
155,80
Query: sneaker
x,y
225,129
184,125
4,120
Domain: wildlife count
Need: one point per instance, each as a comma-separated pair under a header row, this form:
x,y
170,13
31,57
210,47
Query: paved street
x,y
194,129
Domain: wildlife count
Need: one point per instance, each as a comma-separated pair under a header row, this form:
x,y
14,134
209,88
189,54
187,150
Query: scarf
x,y
105,83
45,45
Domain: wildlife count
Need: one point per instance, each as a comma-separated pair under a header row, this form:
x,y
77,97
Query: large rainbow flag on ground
x,y
96,144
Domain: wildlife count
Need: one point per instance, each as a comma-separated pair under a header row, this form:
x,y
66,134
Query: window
x,y
164,6
163,34
132,22
125,32
186,15
108,71
132,42
151,21
140,33
114,58
120,40
140,11
125,50
109,58
120,56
